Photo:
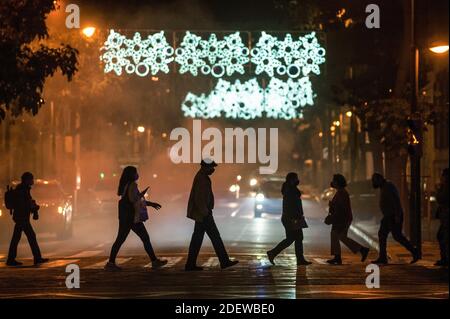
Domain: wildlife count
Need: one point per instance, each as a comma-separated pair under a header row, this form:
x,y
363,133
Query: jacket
x,y
292,202
341,209
24,203
390,204
201,198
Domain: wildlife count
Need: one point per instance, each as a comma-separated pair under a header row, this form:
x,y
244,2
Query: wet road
x,y
246,239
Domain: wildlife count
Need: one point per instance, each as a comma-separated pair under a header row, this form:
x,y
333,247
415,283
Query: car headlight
x,y
432,199
259,197
1,213
259,206
233,188
60,210
253,182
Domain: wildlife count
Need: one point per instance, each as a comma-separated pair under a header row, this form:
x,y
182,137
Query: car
x,y
104,195
55,213
268,198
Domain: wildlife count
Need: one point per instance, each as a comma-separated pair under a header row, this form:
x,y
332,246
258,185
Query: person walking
x,y
293,220
200,209
442,198
392,221
341,216
23,205
132,214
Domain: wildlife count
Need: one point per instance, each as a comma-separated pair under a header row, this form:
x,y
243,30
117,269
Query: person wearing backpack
x,y
22,205
132,214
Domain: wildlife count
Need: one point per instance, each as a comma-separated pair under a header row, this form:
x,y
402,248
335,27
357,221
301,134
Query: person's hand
x,y
142,194
156,206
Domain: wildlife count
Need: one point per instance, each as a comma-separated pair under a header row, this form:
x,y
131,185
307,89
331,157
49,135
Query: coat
x,y
341,209
201,198
23,203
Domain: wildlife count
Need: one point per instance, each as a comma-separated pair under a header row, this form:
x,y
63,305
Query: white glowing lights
x,y
139,56
292,57
279,100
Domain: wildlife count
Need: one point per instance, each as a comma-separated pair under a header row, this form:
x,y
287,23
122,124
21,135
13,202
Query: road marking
x,y
100,265
234,213
100,245
212,262
171,261
320,261
87,253
58,263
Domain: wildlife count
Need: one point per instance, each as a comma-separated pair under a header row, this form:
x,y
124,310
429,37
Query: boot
x,y
301,261
364,252
271,257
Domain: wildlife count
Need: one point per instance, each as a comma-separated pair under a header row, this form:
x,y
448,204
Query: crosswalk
x,y
96,260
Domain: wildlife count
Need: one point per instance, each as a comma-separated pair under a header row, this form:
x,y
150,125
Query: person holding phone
x,y
132,217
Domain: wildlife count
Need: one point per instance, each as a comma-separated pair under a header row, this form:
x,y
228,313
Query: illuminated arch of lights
x,y
248,100
139,56
143,56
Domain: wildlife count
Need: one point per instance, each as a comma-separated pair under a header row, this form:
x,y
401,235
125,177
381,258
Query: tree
x,y
27,62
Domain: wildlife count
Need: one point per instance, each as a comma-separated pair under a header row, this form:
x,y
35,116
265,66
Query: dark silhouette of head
x,y
129,174
208,166
292,179
338,181
27,179
378,180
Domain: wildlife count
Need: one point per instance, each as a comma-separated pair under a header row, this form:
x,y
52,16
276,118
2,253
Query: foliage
x,y
27,62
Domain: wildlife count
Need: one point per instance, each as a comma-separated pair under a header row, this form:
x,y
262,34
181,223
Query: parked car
x,y
55,213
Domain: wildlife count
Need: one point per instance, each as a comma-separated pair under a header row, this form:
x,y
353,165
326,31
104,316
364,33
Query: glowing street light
x,y
349,114
439,49
88,31
141,129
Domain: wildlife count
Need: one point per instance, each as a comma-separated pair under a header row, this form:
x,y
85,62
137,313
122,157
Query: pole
x,y
415,192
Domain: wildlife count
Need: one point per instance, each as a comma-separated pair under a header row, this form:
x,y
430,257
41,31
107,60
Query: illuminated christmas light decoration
x,y
280,100
151,55
212,56
292,57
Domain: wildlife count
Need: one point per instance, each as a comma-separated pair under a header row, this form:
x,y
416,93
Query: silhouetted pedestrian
x,y
22,207
392,221
200,208
292,219
442,198
341,216
131,206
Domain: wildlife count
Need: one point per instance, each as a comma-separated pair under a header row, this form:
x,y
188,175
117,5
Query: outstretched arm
x,y
153,204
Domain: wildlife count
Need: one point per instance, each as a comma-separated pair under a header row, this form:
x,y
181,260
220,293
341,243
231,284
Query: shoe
x,y
364,253
111,267
41,261
303,262
415,256
380,261
441,263
271,257
229,264
158,263
193,268
335,261
13,263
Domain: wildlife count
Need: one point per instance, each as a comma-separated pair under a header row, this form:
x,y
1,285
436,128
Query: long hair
x,y
128,176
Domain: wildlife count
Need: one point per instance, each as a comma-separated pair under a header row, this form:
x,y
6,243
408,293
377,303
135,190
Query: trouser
x,y
339,234
24,226
209,227
291,237
388,225
140,230
442,237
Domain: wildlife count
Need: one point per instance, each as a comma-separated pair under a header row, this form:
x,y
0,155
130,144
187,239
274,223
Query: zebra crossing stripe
x,y
212,262
100,265
320,261
171,261
87,253
58,263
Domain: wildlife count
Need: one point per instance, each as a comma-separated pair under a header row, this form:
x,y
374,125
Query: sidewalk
x,y
368,230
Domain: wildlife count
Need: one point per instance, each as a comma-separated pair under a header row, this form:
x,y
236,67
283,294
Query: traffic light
x,y
415,140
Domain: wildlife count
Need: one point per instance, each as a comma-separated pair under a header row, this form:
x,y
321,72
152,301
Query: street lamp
x,y
141,129
88,32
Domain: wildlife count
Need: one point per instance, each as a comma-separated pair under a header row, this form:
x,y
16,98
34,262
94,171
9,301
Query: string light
x,y
280,100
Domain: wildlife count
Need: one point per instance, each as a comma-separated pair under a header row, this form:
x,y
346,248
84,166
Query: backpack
x,y
10,198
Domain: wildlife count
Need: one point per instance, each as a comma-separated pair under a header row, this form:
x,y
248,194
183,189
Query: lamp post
x,y
417,140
